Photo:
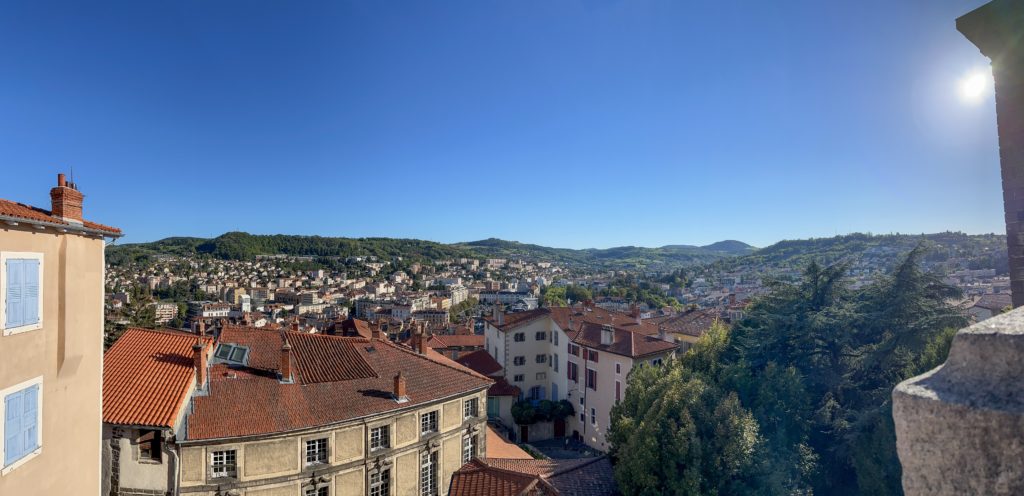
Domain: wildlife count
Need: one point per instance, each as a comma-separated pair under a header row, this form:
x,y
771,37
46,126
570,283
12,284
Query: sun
x,y
975,86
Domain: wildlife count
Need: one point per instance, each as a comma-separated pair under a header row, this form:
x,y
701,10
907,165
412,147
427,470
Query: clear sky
x,y
575,123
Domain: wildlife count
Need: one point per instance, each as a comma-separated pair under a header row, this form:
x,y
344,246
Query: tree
x,y
554,296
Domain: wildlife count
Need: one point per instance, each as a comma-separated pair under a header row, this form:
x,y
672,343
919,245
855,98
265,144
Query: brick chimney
x,y
419,339
199,362
399,390
199,326
66,201
375,333
286,361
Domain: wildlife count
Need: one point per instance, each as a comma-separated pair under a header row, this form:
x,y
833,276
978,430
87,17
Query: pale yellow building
x,y
272,413
51,346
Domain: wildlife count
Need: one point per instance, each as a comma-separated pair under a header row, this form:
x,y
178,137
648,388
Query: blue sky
x,y
591,123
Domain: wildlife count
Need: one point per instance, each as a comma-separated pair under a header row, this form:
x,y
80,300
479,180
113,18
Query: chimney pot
x,y
60,180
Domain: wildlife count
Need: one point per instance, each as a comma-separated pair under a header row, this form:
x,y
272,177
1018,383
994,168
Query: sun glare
x,y
975,86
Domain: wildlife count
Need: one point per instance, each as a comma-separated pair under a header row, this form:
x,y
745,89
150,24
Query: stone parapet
x,y
960,427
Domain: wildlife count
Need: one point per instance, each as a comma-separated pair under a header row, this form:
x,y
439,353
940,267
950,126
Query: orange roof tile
x,y
499,447
339,379
33,214
514,477
147,376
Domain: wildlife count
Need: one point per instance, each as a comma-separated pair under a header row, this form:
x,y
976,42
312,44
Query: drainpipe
x,y
176,480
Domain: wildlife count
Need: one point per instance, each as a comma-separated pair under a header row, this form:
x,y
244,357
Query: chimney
x,y
375,331
295,325
199,327
636,313
607,334
199,362
399,390
66,201
418,340
286,361
662,334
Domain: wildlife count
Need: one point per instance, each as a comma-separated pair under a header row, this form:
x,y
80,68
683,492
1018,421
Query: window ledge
x,y
24,328
6,470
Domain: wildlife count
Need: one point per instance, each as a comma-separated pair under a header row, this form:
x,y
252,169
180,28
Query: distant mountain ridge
x,y
245,246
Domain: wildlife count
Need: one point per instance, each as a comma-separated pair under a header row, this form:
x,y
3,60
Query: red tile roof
x,y
322,395
499,447
455,340
692,322
147,376
517,319
480,361
504,476
32,214
501,387
624,343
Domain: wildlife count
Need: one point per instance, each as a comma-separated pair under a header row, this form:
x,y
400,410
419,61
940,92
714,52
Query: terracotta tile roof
x,y
624,342
692,322
147,376
480,361
570,317
501,387
499,447
30,214
455,340
477,478
500,477
994,302
353,327
321,396
517,319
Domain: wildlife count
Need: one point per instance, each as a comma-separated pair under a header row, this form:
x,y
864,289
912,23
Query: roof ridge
x,y
569,467
461,368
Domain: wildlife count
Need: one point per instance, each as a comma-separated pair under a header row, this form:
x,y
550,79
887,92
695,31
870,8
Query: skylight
x,y
230,353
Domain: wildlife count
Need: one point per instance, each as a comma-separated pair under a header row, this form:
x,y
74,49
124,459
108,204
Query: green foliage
x,y
554,296
526,412
462,308
812,368
139,312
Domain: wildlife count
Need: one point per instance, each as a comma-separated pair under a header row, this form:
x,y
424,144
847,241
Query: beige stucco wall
x,y
67,353
276,463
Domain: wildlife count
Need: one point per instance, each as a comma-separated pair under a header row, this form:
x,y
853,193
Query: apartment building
x,y
582,354
283,413
51,346
165,312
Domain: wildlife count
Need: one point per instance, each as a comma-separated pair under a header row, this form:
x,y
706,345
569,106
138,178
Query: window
x,y
554,336
316,451
468,448
494,407
471,408
428,474
518,378
593,416
149,445
519,360
574,350
380,483
541,376
591,355
542,358
540,336
379,438
223,464
428,422
22,417
618,368
536,393
316,491
656,362
572,371
231,353
519,337
554,361
22,290
618,391
592,379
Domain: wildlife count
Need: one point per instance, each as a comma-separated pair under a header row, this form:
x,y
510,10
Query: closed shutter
x,y
30,419
15,294
13,435
30,287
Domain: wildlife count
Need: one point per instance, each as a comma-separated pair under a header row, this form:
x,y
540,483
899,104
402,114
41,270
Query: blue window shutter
x,y
30,419
13,433
15,294
31,289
